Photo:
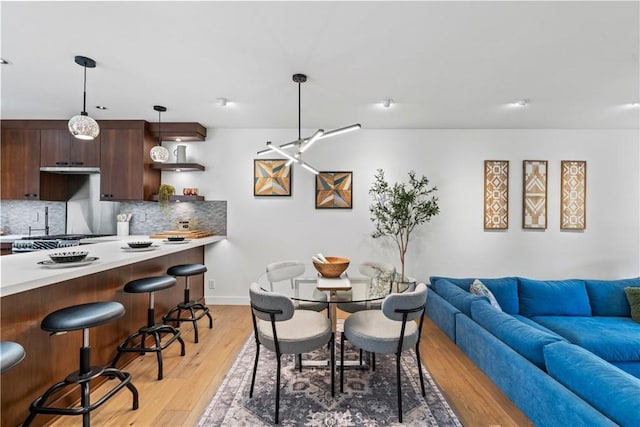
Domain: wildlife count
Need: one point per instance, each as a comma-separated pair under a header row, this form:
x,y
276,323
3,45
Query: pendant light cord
x,y
299,113
84,93
159,128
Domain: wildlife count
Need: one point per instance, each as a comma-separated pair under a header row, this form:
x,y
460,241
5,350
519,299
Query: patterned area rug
x,y
369,397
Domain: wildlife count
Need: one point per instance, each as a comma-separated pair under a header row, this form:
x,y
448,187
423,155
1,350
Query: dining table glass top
x,y
351,286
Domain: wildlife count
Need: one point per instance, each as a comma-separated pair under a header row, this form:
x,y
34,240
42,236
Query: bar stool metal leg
x,y
83,317
154,330
195,310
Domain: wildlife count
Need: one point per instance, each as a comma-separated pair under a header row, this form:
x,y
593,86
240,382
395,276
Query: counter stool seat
x,y
11,353
136,342
194,309
82,317
187,270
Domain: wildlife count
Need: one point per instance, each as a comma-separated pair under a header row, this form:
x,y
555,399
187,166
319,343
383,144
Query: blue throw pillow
x,y
607,297
553,298
505,289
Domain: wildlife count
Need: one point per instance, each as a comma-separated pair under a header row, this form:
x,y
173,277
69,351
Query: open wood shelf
x,y
180,132
178,167
178,198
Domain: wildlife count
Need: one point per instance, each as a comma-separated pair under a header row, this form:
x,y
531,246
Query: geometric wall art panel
x,y
496,194
271,177
334,190
573,186
534,194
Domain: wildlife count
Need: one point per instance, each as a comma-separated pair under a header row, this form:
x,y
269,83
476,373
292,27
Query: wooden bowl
x,y
334,268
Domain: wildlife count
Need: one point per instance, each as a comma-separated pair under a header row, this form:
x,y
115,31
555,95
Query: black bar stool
x,y
11,353
74,318
196,310
153,329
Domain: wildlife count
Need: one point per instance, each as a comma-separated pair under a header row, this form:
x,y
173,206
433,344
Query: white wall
x,y
263,230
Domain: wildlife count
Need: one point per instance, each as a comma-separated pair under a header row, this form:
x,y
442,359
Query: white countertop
x,y
21,272
9,238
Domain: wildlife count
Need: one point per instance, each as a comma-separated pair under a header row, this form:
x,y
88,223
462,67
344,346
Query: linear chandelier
x,y
302,144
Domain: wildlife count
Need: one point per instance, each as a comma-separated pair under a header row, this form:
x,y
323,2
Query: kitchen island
x,y
30,291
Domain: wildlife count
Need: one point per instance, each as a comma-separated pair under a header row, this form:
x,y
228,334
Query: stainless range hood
x,y
86,214
70,170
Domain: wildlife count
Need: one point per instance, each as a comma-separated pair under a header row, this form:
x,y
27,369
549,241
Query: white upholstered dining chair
x,y
288,271
281,328
379,274
391,330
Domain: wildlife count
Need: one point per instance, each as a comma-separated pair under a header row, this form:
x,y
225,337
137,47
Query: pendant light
x,y
82,126
301,145
158,152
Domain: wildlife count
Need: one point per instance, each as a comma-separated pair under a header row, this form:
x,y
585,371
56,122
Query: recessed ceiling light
x,y
3,61
101,107
387,103
521,102
222,102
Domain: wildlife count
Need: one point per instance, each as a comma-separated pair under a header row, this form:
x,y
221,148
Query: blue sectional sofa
x,y
566,352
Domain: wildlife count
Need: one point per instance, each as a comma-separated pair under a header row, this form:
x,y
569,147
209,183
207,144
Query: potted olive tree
x,y
398,209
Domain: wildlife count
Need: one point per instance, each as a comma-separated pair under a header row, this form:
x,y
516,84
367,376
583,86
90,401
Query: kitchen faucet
x,y
46,223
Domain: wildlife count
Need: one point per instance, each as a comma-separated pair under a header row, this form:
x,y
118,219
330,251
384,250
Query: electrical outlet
x,y
143,217
212,284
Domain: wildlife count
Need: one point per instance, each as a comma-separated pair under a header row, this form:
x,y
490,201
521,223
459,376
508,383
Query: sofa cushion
x,y
615,339
632,368
478,288
526,340
534,324
457,297
504,289
553,298
610,390
463,283
607,297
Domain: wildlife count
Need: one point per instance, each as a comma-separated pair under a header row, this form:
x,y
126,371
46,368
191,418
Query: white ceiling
x,y
446,64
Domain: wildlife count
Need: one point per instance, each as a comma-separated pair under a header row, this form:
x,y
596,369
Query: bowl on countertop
x,y
333,268
71,256
175,238
139,244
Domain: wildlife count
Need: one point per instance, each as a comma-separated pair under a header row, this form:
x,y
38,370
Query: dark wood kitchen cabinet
x,y
59,148
125,162
20,173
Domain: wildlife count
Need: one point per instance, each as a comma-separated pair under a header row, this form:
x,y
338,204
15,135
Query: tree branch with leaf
x,y
398,209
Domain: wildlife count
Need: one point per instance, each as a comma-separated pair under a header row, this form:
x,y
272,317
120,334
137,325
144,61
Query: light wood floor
x,y
190,381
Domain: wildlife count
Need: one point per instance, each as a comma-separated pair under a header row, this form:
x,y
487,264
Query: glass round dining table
x,y
352,289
